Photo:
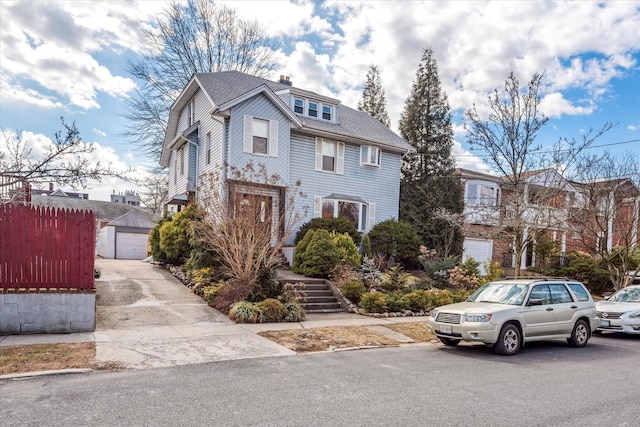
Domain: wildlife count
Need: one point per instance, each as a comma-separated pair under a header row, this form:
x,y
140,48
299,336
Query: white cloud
x,y
467,160
632,127
555,105
99,132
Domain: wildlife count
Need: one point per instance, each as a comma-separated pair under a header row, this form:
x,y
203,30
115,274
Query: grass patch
x,y
16,359
322,339
415,330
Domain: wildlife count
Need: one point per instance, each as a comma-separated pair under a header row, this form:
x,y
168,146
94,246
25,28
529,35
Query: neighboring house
x,y
58,192
129,197
576,216
347,163
122,230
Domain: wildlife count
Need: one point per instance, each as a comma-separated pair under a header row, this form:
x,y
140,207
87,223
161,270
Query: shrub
x,y
462,279
370,273
396,301
373,302
175,236
418,300
339,225
396,239
343,273
154,241
365,247
347,249
266,285
209,292
301,249
272,310
492,272
470,266
245,312
436,267
319,258
396,279
295,312
353,291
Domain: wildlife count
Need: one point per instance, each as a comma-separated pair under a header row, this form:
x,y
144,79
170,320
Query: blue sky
x,y
68,59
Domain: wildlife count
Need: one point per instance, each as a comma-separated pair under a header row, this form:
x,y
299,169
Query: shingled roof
x,y
225,86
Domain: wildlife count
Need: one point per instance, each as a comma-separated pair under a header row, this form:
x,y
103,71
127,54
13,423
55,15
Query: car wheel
x,y
449,341
580,334
509,340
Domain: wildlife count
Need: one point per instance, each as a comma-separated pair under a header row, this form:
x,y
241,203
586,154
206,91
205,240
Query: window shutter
x,y
273,138
318,154
340,159
372,215
247,141
317,206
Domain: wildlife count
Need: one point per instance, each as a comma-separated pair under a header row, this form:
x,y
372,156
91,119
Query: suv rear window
x,y
579,291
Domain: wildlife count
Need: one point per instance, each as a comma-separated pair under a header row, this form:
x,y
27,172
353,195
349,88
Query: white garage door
x,y
481,250
131,245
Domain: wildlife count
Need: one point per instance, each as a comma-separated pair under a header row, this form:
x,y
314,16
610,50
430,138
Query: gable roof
x,y
132,219
227,88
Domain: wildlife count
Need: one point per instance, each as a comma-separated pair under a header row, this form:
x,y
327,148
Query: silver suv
x,y
505,314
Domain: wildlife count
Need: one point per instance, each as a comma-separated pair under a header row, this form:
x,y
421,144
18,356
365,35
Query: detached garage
x,y
479,249
125,237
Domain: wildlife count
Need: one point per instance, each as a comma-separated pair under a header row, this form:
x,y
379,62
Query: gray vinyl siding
x,y
260,107
375,185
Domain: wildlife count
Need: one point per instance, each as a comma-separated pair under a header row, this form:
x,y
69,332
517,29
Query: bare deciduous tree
x,y
607,214
64,161
507,139
155,189
198,37
248,220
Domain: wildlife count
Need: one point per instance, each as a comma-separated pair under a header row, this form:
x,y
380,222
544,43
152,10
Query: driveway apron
x,y
147,318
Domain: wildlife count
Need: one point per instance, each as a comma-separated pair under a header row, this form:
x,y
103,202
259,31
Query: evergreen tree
x,y
429,192
373,100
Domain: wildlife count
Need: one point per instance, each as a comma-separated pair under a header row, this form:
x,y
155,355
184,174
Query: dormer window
x,y
326,112
482,194
298,106
313,109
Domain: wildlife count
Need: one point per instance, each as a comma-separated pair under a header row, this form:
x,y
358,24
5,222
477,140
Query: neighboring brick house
x,y
577,216
347,162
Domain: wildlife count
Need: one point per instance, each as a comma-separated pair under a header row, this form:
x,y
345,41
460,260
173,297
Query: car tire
x,y
509,340
449,341
579,335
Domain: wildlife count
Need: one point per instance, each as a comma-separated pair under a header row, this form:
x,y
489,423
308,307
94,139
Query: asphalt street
x,y
546,384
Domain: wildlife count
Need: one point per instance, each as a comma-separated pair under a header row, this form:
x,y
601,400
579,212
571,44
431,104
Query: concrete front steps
x,y
318,294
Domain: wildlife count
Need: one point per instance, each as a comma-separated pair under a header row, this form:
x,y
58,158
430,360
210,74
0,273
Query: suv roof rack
x,y
541,278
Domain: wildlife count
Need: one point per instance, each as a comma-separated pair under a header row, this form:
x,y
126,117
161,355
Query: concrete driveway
x,y
147,318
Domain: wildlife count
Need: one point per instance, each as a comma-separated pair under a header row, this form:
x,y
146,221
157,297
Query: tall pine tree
x,y
429,193
373,100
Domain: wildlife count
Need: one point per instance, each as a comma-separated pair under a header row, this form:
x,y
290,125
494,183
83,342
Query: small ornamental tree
x,y
320,256
175,236
347,249
395,238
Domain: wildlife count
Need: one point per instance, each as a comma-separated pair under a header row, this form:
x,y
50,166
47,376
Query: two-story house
x,y
577,216
346,162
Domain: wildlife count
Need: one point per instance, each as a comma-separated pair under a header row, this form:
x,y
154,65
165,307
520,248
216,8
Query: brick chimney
x,y
284,80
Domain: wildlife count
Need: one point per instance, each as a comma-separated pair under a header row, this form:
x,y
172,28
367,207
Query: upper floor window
x,y
298,106
486,194
326,112
191,112
182,160
370,155
260,136
329,156
313,109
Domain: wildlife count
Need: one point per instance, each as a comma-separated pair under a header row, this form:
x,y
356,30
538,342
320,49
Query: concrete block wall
x,y
47,313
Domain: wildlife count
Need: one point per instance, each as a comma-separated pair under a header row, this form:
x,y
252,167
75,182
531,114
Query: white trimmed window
x,y
298,105
209,148
370,155
260,136
327,112
191,111
312,110
315,109
360,214
329,156
182,160
481,194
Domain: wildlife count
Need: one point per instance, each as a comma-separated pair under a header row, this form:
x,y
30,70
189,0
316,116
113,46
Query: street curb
x,y
45,373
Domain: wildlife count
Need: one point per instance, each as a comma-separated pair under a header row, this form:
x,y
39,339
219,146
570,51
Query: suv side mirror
x,y
534,301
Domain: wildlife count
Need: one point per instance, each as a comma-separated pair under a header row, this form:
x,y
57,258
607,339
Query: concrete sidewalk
x,y
147,318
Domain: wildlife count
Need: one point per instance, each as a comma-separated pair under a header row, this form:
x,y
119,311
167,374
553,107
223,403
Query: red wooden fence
x,y
46,249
